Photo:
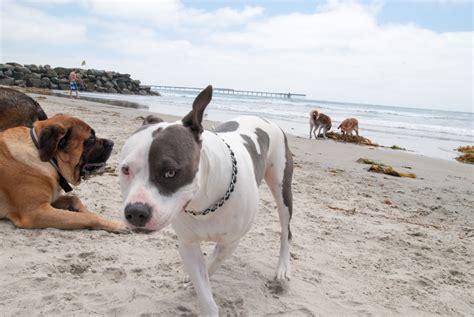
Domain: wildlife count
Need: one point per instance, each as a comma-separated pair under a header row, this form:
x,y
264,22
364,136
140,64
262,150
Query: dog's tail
x,y
340,126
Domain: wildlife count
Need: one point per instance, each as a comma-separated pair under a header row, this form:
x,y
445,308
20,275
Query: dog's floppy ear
x,y
49,139
193,119
152,119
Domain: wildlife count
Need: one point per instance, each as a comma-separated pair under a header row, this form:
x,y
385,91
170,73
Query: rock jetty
x,y
93,80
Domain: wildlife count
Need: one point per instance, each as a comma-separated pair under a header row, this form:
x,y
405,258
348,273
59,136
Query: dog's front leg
x,y
195,266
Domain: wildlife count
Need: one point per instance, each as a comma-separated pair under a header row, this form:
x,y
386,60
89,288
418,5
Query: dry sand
x,y
364,243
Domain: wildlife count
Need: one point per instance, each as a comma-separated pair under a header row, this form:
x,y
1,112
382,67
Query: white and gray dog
x,y
206,185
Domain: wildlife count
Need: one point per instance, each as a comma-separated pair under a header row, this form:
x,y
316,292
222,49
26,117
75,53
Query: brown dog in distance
x,y
319,121
30,183
349,125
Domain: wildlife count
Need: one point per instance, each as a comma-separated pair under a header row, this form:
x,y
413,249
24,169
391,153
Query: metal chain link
x,y
229,191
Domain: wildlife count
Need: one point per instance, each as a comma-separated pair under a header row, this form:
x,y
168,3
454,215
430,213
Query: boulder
x,y
54,86
62,71
14,64
63,86
108,84
45,82
33,68
111,91
51,73
110,75
33,82
8,67
8,72
90,87
18,75
20,83
122,85
22,69
55,80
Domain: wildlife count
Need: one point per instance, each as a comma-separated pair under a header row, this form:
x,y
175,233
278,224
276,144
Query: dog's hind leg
x,y
221,252
325,128
71,203
278,178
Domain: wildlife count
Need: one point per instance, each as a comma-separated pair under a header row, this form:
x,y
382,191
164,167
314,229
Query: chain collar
x,y
226,196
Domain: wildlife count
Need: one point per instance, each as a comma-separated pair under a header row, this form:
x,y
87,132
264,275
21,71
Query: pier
x,y
228,91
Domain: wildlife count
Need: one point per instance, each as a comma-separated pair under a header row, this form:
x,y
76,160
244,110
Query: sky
x,y
398,53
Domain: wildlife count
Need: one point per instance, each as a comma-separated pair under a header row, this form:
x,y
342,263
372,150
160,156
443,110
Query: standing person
x,y
73,83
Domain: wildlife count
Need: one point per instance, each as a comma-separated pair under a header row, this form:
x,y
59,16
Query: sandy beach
x,y
363,243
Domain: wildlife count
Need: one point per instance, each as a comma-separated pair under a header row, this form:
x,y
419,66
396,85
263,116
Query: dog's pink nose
x,y
138,214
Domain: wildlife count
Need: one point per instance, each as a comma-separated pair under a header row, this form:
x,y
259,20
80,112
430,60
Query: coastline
x,y
364,243
427,132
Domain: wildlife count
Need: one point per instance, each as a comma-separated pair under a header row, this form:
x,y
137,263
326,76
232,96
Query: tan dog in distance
x,y
349,125
36,162
318,121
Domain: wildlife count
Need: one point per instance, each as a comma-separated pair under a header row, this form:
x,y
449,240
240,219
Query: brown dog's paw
x,y
117,227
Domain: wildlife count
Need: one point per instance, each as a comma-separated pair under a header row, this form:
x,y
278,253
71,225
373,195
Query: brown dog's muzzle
x,y
95,155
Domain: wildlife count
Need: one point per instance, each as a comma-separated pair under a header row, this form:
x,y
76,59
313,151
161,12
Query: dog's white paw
x,y
186,282
283,273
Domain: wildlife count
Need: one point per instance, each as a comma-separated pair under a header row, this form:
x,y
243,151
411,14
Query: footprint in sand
x,y
115,274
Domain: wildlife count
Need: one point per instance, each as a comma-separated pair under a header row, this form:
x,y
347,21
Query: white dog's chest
x,y
228,223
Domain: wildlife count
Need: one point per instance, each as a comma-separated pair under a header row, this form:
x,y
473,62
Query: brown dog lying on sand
x,y
349,125
18,109
35,163
318,121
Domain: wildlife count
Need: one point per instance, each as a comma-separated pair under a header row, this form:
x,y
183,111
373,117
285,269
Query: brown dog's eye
x,y
125,170
170,174
90,141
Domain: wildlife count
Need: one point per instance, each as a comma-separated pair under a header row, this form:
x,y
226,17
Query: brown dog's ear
x,y
152,119
193,119
49,139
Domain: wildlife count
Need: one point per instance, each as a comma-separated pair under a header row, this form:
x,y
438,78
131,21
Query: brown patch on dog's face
x,y
73,144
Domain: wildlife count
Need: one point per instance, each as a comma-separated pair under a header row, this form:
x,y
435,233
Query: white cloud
x,y
21,23
172,13
340,53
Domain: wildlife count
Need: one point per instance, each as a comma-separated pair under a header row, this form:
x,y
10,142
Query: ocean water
x,y
431,133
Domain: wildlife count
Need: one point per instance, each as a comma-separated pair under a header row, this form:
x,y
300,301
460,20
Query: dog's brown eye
x,y
125,170
170,174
